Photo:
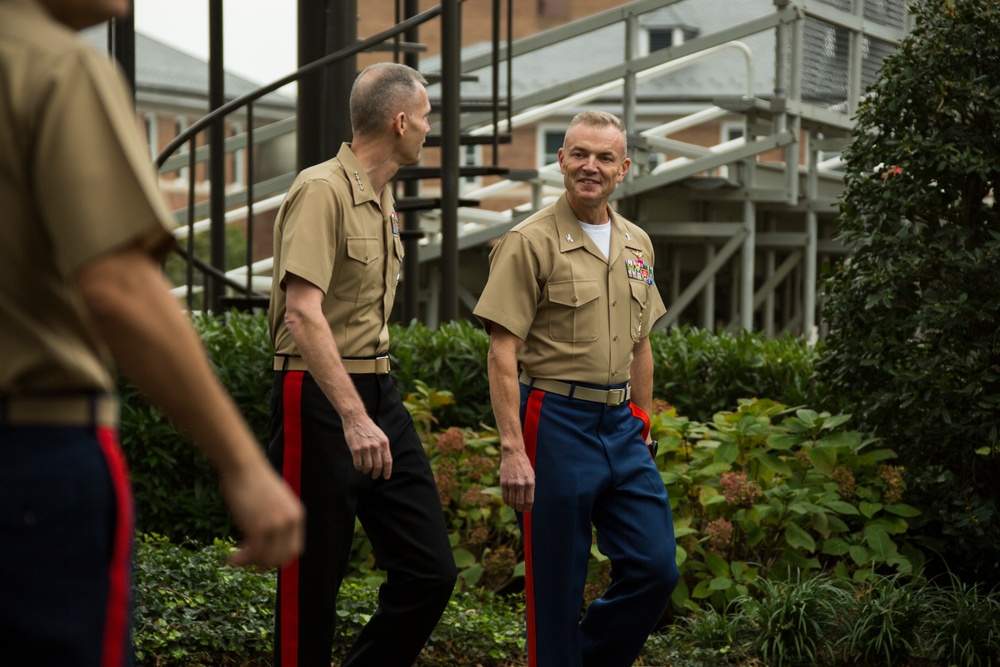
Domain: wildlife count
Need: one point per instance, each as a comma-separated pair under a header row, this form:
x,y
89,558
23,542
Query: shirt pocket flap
x,y
574,293
640,292
362,248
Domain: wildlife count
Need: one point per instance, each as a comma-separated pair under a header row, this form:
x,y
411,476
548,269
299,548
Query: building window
x,y
152,134
732,131
552,141
660,38
239,158
472,156
180,125
663,37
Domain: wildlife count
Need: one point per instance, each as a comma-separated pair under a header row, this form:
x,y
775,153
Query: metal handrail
x,y
203,122
189,135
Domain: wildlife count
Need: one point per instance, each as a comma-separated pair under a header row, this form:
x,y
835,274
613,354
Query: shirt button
x,y
614,373
614,303
575,299
615,338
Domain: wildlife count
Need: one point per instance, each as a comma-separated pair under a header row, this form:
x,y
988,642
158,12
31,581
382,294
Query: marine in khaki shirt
x,y
76,183
82,226
336,232
578,312
569,303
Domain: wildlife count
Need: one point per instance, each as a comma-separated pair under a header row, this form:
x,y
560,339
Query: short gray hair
x,y
598,119
380,92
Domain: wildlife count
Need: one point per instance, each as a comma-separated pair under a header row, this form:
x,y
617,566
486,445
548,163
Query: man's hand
x,y
517,480
369,447
269,515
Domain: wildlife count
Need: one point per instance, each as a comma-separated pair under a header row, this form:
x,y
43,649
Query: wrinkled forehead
x,y
595,139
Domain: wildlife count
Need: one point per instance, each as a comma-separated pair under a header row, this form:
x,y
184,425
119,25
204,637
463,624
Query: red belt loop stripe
x,y
291,468
116,620
530,431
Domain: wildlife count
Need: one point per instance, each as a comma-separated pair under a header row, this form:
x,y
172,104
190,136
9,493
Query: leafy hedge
x,y
914,344
177,492
193,610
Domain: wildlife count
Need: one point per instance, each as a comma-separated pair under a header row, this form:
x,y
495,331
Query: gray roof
x,y
722,74
170,76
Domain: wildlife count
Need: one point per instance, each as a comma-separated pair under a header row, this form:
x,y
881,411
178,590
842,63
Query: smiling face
x,y
593,163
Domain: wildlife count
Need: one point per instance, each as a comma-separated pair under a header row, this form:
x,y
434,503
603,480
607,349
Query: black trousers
x,y
402,517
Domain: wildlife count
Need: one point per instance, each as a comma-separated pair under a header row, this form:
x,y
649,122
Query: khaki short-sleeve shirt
x,y
579,314
75,182
334,231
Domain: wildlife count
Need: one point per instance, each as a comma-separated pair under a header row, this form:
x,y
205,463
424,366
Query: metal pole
x,y
708,294
217,153
451,54
123,42
411,233
341,32
812,237
309,107
749,246
629,99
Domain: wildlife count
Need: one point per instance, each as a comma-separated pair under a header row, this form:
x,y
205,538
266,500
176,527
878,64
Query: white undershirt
x,y
600,234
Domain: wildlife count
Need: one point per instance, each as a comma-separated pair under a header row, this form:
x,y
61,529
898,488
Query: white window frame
x,y
543,132
239,158
152,123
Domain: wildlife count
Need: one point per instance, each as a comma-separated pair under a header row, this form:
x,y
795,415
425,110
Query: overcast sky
x,y
259,35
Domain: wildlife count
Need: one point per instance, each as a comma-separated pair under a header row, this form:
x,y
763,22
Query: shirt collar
x,y
357,178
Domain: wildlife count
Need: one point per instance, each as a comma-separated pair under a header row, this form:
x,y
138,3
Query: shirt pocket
x,y
360,278
573,314
639,302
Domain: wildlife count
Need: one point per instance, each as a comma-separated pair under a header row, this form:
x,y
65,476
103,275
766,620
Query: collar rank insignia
x,y
357,177
628,237
569,238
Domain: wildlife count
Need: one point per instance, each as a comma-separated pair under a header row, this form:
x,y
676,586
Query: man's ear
x,y
626,163
399,123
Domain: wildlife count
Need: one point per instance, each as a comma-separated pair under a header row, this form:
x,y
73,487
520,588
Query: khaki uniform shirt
x,y
334,231
578,313
75,182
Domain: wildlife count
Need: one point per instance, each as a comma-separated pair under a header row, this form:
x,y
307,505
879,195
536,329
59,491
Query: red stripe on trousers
x,y
530,432
639,413
291,470
116,618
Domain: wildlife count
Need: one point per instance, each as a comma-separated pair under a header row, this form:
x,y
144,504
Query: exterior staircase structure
x,y
741,226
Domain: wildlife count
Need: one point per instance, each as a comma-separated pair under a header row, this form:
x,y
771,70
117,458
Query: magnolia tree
x,y
914,312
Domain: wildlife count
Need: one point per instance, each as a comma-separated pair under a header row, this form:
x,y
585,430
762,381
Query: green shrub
x,y
701,372
191,609
965,625
451,358
176,490
914,346
765,490
883,622
790,621
824,621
